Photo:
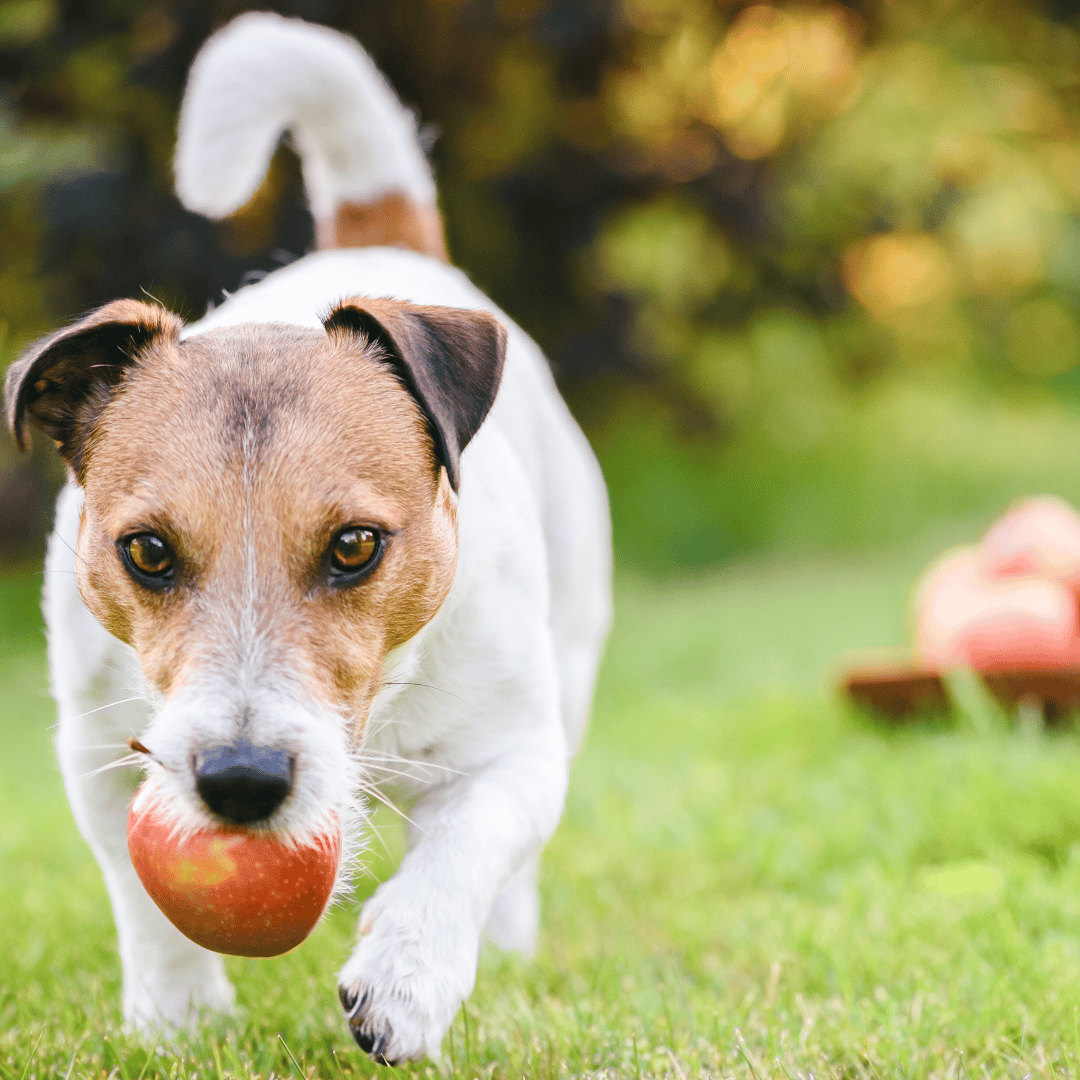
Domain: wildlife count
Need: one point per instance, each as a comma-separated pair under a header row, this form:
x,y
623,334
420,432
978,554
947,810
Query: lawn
x,y
750,879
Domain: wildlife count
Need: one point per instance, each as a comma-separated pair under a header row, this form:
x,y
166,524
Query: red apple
x,y
1040,536
964,615
233,890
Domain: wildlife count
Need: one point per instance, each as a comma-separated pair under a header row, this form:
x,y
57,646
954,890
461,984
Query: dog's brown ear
x,y
450,359
62,381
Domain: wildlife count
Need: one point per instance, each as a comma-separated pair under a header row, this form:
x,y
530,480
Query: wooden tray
x,y
901,691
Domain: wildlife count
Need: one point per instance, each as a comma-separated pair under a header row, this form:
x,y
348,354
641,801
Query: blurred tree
x,y
743,213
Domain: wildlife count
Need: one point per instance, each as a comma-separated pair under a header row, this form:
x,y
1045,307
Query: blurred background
x,y
808,274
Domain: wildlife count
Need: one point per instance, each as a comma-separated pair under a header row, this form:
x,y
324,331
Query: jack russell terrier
x,y
343,528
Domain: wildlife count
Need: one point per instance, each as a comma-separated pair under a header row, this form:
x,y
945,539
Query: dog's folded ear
x,y
61,382
450,359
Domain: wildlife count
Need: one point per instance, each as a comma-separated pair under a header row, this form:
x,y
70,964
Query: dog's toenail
x,y
372,1044
347,999
380,1045
364,1039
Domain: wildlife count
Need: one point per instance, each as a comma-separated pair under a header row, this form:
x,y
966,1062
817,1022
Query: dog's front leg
x,y
102,702
420,932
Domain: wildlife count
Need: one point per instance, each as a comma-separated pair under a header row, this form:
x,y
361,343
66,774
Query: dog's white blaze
x,y
246,686
248,629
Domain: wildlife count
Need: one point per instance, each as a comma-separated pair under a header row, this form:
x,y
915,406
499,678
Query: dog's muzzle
x,y
243,783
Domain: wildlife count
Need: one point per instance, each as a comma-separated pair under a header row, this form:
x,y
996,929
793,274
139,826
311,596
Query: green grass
x,y
750,880
880,467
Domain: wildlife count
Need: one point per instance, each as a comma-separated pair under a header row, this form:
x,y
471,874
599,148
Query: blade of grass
x,y
33,1054
299,1071
74,1055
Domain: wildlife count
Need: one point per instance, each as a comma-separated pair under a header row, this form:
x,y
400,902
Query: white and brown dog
x,y
341,531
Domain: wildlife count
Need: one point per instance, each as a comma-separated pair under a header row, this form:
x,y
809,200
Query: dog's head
x,y
268,510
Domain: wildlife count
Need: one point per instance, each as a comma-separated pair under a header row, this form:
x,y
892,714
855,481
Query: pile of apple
x,y
1010,603
231,889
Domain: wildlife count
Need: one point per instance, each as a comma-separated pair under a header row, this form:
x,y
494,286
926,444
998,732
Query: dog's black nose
x,y
243,783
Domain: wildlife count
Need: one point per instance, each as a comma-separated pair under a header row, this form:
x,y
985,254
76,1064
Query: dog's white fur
x,y
262,75
481,710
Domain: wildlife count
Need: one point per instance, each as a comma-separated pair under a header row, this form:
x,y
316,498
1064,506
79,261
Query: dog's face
x,y
268,510
268,496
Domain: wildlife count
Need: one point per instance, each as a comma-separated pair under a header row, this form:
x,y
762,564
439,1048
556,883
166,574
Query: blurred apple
x,y
963,615
1039,536
232,890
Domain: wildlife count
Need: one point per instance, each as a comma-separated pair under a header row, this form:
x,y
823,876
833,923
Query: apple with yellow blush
x,y
233,890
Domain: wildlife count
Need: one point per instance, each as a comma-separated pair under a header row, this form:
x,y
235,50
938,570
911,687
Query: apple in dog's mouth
x,y
230,889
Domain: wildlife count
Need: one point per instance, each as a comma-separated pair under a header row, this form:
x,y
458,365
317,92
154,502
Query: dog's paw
x,y
394,1016
405,981
392,1026
374,1033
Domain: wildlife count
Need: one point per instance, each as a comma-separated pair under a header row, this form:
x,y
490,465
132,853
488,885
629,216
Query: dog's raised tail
x,y
368,181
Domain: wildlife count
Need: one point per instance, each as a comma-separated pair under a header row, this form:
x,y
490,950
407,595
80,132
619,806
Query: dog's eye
x,y
149,555
354,549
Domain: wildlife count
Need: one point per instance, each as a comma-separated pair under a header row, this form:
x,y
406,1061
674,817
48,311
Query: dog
x,y
344,525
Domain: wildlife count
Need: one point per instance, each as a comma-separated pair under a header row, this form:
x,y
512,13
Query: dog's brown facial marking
x,y
265,505
61,383
246,462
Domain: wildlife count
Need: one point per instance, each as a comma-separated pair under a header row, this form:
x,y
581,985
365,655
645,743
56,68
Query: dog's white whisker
x,y
397,772
120,763
149,295
426,686
365,756
111,705
375,727
374,830
379,797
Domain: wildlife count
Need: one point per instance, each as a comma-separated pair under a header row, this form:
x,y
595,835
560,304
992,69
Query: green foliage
x,y
921,188
736,230
908,459
668,253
